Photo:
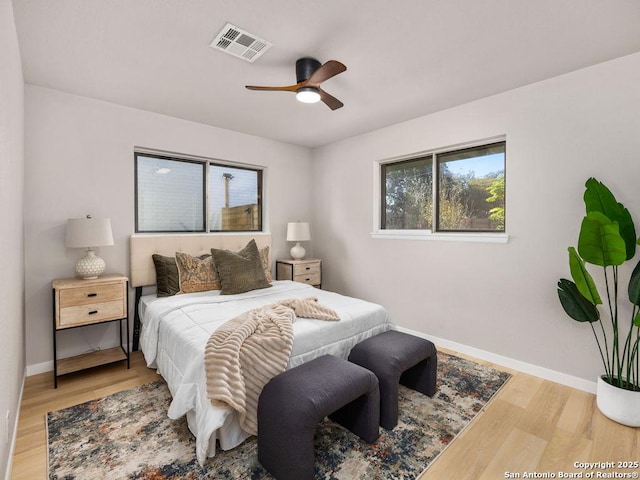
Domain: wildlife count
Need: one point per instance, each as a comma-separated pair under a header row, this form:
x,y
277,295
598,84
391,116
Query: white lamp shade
x,y
298,232
88,232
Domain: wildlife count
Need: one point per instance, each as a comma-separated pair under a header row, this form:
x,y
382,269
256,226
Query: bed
x,y
172,331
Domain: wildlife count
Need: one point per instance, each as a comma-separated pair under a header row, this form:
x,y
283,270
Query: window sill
x,y
439,236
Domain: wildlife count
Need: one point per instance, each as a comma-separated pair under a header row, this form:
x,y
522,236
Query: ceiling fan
x,y
309,75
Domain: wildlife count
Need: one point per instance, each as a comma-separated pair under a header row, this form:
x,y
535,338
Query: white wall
x,y
495,297
499,298
79,160
11,228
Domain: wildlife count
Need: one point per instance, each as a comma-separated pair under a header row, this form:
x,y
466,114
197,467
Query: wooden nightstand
x,y
79,303
306,271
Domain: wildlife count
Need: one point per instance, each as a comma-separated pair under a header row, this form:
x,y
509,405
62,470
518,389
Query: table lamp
x,y
298,232
89,233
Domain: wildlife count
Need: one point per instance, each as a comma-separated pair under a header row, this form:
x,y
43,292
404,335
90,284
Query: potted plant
x,y
608,240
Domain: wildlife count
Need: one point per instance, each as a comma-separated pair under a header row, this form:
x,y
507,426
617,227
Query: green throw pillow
x,y
167,280
241,271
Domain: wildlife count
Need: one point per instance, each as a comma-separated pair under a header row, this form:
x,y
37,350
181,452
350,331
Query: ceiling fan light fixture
x,y
309,75
308,95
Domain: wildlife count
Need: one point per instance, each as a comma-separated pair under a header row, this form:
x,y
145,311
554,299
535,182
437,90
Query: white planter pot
x,y
620,405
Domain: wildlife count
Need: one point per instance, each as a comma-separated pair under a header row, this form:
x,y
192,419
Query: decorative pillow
x,y
240,272
197,274
264,256
167,279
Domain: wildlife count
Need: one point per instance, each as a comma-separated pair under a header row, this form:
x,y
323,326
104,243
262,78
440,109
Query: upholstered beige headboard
x,y
142,246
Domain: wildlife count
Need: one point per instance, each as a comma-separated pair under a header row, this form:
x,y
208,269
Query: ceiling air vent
x,y
240,43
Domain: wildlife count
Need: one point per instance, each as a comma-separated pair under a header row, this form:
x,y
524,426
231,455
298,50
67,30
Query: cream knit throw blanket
x,y
247,351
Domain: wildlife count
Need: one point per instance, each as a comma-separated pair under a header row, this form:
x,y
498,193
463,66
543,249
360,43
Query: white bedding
x,y
175,331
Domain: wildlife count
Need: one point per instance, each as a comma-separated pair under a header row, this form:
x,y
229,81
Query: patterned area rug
x,y
128,435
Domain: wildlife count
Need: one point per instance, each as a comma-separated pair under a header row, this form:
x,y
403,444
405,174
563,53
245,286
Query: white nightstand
x,y
79,303
308,270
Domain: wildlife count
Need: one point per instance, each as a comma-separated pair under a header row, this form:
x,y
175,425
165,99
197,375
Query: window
x,y
234,199
408,194
451,191
185,195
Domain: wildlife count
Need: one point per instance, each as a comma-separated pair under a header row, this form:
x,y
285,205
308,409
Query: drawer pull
x,y
92,294
93,312
307,268
307,279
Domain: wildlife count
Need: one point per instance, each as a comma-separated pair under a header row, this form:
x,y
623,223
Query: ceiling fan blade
x,y
330,101
288,88
325,72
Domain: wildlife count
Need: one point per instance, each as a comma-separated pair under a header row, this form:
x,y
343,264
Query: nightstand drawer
x,y
71,297
306,269
312,278
90,313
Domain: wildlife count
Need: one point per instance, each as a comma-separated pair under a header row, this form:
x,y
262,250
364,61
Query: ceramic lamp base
x,y
90,266
297,252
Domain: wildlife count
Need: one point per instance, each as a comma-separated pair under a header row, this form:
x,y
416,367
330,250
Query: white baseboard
x,y
547,374
12,444
40,368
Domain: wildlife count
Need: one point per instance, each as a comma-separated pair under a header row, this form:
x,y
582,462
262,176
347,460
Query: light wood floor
x,y
532,426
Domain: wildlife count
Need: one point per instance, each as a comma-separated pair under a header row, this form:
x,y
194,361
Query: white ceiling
x,y
405,58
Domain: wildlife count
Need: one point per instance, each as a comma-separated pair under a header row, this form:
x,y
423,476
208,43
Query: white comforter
x,y
175,331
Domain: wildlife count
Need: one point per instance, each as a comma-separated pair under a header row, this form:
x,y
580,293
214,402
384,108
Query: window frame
x,y
379,200
206,164
436,189
383,188
258,195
